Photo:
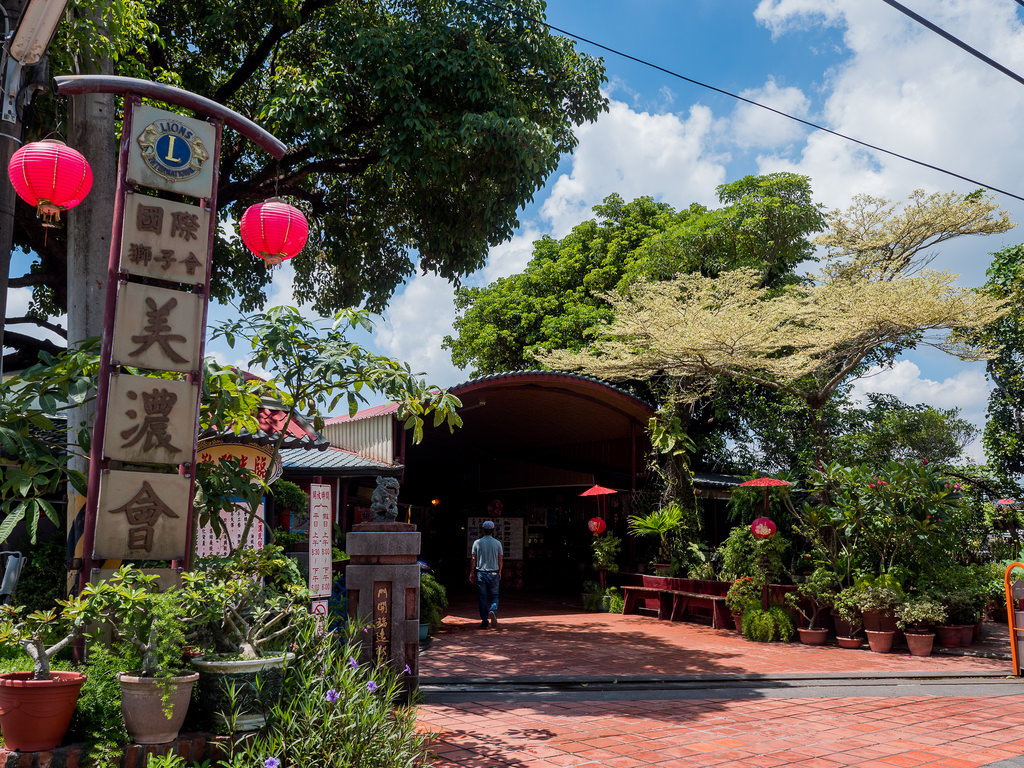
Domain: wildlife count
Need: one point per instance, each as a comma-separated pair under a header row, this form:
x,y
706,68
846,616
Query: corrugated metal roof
x,y
377,410
335,459
715,480
554,374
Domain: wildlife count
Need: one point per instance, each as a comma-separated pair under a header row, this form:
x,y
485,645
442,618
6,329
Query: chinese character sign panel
x,y
507,530
164,239
150,420
157,328
254,457
142,516
320,540
209,544
171,152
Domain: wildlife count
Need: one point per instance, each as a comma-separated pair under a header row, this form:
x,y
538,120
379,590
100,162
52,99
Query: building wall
x,y
372,437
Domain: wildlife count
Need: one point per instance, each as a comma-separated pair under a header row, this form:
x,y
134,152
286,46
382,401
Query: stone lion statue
x,y
384,501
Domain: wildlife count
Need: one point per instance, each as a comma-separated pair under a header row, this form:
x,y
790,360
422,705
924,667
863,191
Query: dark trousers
x,y
487,593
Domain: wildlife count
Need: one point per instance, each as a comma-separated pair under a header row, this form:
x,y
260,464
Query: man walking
x,y
485,572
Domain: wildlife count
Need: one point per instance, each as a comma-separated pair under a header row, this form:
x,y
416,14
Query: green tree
x,y
764,223
416,130
872,300
1003,436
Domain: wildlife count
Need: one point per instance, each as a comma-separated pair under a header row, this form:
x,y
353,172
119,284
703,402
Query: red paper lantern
x,y
51,176
274,230
596,525
762,527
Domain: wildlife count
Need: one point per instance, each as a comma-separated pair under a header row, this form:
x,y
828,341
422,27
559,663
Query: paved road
x,y
553,686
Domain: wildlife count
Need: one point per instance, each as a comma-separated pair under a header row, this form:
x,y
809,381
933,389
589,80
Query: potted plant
x,y
877,605
257,600
156,624
848,616
36,707
743,593
811,598
662,523
291,503
918,619
433,601
606,553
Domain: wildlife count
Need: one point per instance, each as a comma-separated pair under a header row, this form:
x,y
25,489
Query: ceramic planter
x,y
143,707
966,635
879,621
35,714
849,642
813,636
920,643
215,675
948,635
880,641
737,620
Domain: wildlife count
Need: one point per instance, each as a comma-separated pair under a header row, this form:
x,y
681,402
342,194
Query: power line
x,y
955,40
753,103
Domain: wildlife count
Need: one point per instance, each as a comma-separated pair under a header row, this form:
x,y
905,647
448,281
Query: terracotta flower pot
x,y
142,706
966,635
35,714
880,641
850,642
877,621
920,643
948,635
737,620
813,636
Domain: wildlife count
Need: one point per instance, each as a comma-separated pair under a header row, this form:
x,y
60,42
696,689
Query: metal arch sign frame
x,y
134,90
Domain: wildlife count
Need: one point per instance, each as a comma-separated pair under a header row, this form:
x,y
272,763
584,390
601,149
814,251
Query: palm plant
x,y
662,522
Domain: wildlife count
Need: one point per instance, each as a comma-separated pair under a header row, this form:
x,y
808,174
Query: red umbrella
x,y
599,490
1006,502
766,483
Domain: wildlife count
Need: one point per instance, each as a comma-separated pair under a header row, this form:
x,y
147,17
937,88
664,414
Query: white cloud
x,y
415,324
512,256
967,390
756,127
18,300
636,153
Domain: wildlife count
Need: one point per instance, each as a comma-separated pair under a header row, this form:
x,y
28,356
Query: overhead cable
x,y
753,103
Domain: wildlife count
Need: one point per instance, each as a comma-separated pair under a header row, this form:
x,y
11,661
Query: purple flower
x,y
271,762
352,662
371,686
332,696
407,670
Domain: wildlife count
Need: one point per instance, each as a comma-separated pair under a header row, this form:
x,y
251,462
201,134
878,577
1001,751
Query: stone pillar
x,y
383,582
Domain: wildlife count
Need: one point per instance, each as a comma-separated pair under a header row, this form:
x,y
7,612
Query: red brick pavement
x,y
546,642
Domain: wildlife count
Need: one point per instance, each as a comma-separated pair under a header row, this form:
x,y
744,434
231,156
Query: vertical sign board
x,y
320,540
155,317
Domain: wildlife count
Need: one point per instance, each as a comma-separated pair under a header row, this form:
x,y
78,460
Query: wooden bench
x,y
673,603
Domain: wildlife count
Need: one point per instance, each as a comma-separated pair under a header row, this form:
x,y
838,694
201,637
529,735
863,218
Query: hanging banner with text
x,y
320,540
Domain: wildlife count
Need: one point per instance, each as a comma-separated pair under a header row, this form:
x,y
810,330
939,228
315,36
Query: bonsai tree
x,y
663,522
158,624
920,615
44,634
256,599
847,608
814,595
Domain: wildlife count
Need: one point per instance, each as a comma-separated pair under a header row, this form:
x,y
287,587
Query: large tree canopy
x,y
872,301
416,128
764,224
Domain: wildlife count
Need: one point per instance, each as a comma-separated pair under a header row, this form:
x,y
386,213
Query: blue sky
x,y
857,66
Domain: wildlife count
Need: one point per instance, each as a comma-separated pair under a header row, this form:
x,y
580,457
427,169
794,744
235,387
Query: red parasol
x,y
1006,502
766,483
599,490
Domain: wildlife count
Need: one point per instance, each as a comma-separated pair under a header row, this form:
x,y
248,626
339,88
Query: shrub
x,y
763,626
742,593
335,713
433,601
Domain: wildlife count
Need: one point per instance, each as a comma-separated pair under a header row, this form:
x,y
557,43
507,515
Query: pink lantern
x,y
596,525
762,527
51,176
274,230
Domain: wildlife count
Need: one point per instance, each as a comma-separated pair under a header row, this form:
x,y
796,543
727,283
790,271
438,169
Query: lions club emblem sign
x,y
172,152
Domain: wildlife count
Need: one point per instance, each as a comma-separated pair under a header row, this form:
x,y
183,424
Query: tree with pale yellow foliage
x,y
874,298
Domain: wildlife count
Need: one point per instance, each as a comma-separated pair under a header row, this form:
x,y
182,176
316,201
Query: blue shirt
x,y
487,550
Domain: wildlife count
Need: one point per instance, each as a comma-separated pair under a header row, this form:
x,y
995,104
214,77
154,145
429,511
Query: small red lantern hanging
x,y
274,230
762,527
596,525
51,176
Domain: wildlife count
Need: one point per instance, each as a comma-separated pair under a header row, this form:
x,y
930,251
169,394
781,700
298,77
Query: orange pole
x,y
1011,618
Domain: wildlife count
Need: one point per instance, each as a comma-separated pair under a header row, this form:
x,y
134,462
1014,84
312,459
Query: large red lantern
x,y
51,176
596,525
762,527
274,230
